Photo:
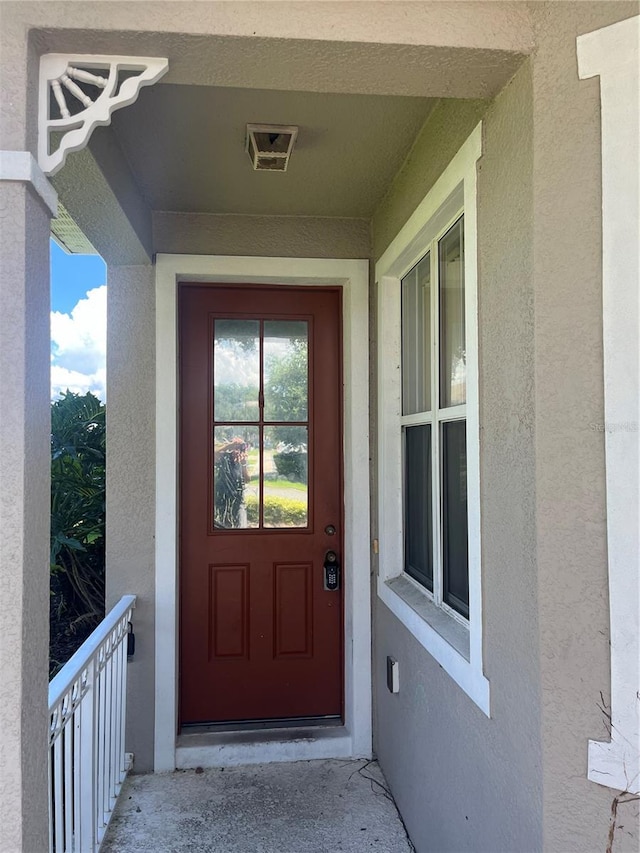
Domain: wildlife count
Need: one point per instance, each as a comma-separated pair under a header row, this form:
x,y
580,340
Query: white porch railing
x,y
87,714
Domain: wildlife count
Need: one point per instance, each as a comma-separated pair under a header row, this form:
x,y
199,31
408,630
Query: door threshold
x,y
262,746
261,725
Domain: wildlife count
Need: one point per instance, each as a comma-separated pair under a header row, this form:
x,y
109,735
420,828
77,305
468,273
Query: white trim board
x,y
353,277
22,166
613,54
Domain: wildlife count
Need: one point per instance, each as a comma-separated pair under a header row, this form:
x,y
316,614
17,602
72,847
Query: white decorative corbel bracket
x,y
78,93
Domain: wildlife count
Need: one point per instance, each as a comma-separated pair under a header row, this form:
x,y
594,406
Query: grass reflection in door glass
x,y
285,477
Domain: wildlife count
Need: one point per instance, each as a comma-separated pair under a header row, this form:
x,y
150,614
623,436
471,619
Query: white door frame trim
x,y
353,277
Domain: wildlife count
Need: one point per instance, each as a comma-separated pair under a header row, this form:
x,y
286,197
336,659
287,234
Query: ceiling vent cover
x,y
269,146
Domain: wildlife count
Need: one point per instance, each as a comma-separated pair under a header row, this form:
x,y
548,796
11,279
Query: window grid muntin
x,y
435,417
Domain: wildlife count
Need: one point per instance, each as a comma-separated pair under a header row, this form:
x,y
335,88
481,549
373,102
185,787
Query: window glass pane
x,y
418,547
236,469
416,339
286,370
286,494
454,516
453,356
236,370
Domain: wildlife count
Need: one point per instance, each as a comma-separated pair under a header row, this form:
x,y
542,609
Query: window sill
x,y
446,639
449,629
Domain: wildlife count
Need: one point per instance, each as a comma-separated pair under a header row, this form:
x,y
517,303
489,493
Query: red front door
x,y
261,502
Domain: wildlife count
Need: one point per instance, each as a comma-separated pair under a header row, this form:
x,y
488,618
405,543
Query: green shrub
x,y
78,455
278,512
291,465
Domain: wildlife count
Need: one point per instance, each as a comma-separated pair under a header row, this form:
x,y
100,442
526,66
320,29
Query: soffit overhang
x,y
283,66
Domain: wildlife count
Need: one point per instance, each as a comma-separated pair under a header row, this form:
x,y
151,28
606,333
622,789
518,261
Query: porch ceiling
x,y
185,147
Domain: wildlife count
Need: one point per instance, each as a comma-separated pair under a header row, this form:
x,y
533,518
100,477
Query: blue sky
x,y
78,323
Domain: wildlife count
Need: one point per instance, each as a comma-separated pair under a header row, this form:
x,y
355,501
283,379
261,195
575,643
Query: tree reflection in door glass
x,y
236,370
286,371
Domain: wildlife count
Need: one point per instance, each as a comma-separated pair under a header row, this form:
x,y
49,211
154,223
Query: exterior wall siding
x,y
444,132
518,781
570,464
25,464
462,781
130,509
98,187
261,236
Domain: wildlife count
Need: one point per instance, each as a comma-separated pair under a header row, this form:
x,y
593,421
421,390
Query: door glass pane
x,y
416,339
286,370
286,493
454,516
453,355
418,549
236,472
236,370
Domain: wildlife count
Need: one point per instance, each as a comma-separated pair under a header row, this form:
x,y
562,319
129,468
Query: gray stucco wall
x,y
543,548
463,781
261,236
130,511
25,460
518,781
446,128
570,486
113,198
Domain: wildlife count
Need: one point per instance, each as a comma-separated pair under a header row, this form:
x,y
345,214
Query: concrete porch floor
x,y
302,807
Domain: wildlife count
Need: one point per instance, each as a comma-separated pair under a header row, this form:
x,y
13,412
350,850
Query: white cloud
x,y
236,366
79,346
63,379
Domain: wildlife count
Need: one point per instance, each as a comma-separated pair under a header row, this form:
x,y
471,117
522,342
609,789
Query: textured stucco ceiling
x,y
185,146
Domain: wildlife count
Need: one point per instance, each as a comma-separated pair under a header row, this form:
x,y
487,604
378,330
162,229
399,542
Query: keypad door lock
x,y
331,571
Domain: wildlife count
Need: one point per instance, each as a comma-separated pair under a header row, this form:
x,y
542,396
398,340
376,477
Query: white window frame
x,y
435,417
456,643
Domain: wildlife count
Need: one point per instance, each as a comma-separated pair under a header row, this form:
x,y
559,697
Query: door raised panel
x,y
293,610
228,616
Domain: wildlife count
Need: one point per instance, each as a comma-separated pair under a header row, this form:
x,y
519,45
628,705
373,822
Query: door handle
x,y
331,571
